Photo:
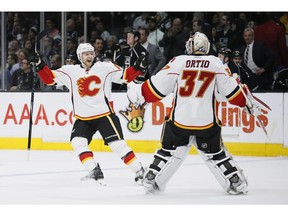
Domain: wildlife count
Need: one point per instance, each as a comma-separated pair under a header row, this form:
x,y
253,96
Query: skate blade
x,y
99,181
139,182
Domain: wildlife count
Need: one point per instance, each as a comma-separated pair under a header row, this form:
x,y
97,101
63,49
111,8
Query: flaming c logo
x,y
85,85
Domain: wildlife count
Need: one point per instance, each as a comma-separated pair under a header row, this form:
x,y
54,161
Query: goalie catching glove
x,y
38,59
134,94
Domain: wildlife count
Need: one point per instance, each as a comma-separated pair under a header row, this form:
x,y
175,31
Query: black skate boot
x,y
97,175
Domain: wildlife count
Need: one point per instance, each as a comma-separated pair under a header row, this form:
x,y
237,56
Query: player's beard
x,y
87,64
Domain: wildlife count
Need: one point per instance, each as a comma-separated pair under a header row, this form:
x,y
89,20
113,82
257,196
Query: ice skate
x,y
139,176
149,183
237,185
97,175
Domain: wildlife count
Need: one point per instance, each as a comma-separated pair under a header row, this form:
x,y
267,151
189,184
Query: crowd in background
x,y
230,35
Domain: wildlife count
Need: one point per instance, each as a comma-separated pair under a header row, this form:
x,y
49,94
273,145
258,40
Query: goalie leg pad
x,y
165,164
229,175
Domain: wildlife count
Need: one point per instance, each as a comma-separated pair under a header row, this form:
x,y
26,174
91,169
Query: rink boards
x,y
53,120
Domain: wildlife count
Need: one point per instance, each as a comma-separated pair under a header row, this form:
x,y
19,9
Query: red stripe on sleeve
x,y
46,75
239,98
148,93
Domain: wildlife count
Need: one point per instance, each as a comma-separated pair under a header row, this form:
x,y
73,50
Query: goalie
x,y
89,84
195,80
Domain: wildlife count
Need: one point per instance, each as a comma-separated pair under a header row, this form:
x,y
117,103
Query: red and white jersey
x,y
90,89
193,80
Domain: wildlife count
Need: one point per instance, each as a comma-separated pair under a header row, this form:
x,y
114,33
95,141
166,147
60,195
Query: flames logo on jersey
x,y
135,117
84,86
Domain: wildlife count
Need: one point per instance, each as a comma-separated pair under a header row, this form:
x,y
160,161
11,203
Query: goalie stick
x,y
250,105
38,38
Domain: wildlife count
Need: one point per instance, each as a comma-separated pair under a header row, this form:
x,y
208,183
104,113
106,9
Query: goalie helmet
x,y
84,47
198,44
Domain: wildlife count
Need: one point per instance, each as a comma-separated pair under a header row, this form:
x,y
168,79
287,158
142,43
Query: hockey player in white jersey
x,y
195,80
89,84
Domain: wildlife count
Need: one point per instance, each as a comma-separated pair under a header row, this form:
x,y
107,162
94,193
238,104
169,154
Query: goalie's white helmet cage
x,y
84,47
198,43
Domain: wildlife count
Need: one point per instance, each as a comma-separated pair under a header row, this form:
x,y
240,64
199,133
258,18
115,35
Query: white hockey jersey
x,y
90,89
193,80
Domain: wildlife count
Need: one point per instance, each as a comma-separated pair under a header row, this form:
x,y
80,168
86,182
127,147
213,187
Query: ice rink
x,y
53,178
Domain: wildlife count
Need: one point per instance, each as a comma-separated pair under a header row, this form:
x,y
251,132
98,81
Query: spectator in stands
x,y
93,35
16,31
224,35
100,26
213,42
72,45
22,79
55,62
13,46
272,35
246,76
28,46
155,34
52,29
98,44
162,21
174,40
157,59
71,32
199,20
129,55
215,22
32,35
20,55
111,41
140,21
284,21
11,60
71,59
259,59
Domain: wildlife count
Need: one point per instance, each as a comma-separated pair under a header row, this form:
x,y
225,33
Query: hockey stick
x,y
38,38
249,104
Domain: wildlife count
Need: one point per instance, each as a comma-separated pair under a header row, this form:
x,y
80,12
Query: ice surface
x,y
53,178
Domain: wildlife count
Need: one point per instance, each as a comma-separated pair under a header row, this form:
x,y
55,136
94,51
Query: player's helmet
x,y
84,47
198,44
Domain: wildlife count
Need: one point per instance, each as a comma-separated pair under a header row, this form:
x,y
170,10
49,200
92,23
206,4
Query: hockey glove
x,y
134,94
253,104
38,59
142,63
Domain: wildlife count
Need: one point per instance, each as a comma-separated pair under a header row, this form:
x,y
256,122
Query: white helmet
x,y
198,44
84,47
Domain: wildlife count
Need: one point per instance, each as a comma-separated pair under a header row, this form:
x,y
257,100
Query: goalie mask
x,y
197,44
84,47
